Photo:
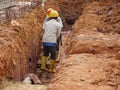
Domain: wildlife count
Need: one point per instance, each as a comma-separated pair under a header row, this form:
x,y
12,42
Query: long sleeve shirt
x,y
52,30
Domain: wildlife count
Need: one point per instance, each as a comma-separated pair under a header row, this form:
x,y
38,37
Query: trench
x,y
34,53
86,57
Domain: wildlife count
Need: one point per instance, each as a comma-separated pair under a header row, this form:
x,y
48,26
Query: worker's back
x,y
52,30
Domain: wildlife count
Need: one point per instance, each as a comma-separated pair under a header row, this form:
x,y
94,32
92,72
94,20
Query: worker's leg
x,y
57,51
52,59
44,57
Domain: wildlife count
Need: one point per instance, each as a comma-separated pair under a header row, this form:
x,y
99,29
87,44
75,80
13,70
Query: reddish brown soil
x,y
92,50
20,44
90,53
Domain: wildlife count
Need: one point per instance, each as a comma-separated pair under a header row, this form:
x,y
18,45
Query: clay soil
x,y
91,49
89,56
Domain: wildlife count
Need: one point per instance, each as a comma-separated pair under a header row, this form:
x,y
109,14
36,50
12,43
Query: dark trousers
x,y
50,50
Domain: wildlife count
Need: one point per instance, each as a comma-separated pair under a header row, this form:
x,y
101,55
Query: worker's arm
x,y
46,19
60,21
59,27
59,40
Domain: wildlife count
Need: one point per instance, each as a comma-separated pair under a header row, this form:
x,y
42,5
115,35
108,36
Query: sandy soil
x,y
20,86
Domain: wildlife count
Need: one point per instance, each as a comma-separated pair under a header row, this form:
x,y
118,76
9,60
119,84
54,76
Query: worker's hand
x,y
59,19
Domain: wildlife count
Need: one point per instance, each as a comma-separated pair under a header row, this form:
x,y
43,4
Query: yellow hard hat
x,y
53,13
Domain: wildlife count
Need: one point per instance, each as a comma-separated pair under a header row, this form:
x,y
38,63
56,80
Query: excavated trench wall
x,y
70,12
93,41
20,44
91,17
97,28
96,32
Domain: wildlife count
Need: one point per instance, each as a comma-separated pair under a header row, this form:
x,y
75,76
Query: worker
x,y
52,31
59,39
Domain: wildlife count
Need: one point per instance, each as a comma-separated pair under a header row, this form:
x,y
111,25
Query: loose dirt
x,y
90,55
20,86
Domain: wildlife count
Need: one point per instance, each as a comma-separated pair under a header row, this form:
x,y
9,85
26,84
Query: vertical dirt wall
x,y
99,21
91,47
70,12
20,43
97,32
